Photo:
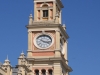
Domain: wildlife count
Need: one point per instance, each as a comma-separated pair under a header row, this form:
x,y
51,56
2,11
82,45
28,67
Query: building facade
x,y
47,43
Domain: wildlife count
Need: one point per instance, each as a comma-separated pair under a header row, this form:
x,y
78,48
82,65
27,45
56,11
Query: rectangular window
x,y
45,13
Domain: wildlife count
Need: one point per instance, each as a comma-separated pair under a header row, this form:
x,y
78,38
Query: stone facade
x,y
47,43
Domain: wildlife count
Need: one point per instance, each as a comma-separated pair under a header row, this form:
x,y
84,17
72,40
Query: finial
x,y
31,14
7,57
22,53
64,25
7,60
30,19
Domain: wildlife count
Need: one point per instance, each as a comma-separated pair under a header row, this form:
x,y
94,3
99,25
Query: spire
x,y
6,62
22,55
30,15
7,58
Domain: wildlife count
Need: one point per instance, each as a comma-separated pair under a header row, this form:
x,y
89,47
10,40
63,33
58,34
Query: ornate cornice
x,y
57,59
46,25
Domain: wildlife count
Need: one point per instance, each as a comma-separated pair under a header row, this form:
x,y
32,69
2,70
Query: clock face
x,y
43,41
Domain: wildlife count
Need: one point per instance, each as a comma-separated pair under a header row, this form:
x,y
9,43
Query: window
x,y
50,72
36,72
45,13
43,72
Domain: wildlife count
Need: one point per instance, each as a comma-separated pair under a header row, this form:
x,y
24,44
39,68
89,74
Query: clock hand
x,y
45,41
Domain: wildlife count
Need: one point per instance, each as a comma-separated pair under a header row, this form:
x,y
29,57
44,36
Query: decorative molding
x,y
44,4
43,51
57,30
57,50
44,66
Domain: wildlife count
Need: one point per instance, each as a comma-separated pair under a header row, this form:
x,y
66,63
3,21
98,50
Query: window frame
x,y
45,13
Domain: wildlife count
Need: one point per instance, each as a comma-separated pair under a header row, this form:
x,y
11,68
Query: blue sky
x,y
82,18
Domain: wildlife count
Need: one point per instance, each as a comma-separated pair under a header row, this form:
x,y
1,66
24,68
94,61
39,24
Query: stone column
x,y
40,72
41,15
57,50
29,44
46,71
49,14
57,69
29,40
54,9
57,39
35,11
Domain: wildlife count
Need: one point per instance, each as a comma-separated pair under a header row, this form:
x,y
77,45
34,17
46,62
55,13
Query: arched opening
x,y
43,72
50,72
45,5
36,72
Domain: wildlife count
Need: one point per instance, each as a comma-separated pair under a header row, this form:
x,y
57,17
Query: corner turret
x,y
23,67
7,67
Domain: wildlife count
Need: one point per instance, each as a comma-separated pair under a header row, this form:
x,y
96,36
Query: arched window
x,y
36,72
50,72
43,72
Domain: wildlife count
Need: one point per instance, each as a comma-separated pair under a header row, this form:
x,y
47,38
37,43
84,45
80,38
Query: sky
x,y
82,19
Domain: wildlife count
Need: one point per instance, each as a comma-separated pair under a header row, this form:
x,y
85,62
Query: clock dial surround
x,y
43,41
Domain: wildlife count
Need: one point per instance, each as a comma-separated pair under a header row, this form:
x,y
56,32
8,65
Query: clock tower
x,y
47,39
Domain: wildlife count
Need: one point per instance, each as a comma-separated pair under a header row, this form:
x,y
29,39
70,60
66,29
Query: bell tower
x,y
47,10
47,39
